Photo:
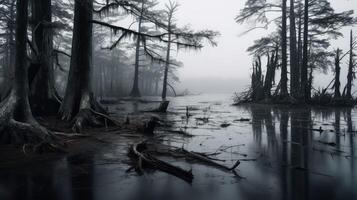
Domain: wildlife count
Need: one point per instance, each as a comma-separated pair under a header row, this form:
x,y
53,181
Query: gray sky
x,y
229,61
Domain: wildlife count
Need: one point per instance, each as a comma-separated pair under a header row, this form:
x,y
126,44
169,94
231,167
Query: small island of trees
x,y
298,49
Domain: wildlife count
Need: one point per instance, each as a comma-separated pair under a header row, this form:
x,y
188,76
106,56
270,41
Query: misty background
x,y
227,67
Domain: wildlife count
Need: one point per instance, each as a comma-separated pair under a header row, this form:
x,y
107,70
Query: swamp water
x,y
285,153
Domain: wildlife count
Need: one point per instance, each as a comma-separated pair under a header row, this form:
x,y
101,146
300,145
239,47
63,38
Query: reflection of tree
x,y
81,169
337,126
284,120
349,121
270,127
257,124
299,154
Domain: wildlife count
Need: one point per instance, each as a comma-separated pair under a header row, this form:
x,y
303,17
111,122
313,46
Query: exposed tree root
x,y
34,137
17,126
15,132
90,114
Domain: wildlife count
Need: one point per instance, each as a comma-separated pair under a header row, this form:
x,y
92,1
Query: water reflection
x,y
294,159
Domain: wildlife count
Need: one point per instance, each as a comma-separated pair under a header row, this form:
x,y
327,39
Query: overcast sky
x,y
229,61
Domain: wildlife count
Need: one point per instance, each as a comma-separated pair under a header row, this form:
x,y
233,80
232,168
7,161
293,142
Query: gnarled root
x,y
33,136
17,126
84,118
92,118
90,114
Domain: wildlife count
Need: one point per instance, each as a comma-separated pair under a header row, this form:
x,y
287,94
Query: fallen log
x,y
145,160
207,160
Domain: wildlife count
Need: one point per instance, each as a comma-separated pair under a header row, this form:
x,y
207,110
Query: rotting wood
x,y
146,160
207,160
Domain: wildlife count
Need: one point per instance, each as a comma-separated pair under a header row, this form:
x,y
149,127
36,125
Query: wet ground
x,y
285,153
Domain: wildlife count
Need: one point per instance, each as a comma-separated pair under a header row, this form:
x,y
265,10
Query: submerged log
x,y
145,160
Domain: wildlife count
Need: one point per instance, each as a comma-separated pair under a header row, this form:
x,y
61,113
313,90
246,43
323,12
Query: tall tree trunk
x,y
20,90
17,125
299,51
284,72
135,92
167,63
79,100
294,67
304,69
10,53
43,94
350,75
337,75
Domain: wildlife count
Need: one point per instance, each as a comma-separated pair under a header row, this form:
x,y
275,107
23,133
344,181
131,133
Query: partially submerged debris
x,y
180,132
143,155
225,125
202,119
242,120
207,160
333,144
145,160
163,107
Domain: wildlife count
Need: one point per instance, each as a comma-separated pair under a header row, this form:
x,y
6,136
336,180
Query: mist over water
x,y
213,85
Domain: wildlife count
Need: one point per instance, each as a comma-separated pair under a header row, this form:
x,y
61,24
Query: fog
x,y
228,65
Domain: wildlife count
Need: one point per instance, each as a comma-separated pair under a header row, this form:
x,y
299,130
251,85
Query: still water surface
x,y
284,156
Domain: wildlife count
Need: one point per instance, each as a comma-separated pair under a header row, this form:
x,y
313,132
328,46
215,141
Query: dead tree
x,y
257,81
337,84
270,73
351,73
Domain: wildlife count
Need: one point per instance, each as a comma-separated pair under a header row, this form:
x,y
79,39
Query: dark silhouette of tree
x,y
145,7
351,73
171,9
17,122
262,85
304,67
317,23
79,102
284,62
337,83
170,33
43,96
294,65
7,27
